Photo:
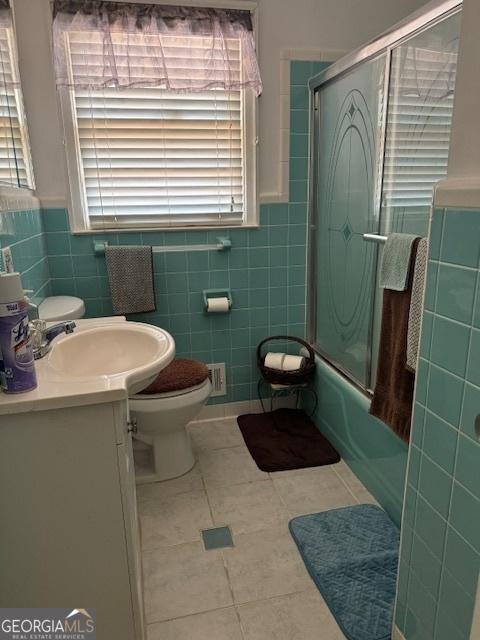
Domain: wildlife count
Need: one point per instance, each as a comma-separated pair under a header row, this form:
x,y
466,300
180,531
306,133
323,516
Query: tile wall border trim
x,y
458,193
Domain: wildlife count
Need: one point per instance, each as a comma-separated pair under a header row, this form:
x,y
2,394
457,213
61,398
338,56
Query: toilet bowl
x,y
161,420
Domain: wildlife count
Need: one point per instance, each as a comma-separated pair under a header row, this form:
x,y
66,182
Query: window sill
x,y
92,232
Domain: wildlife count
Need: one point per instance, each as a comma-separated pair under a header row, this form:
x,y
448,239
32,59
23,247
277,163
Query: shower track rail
x,y
417,21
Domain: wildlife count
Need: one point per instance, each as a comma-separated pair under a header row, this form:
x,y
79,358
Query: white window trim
x,y
76,198
22,191
281,194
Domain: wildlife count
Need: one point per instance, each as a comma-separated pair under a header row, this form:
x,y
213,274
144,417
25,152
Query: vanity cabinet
x,y
69,529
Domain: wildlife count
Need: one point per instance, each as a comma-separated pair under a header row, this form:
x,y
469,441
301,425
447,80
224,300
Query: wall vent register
x,y
217,375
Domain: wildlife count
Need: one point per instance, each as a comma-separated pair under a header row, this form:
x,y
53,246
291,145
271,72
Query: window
x,y
154,157
419,122
15,160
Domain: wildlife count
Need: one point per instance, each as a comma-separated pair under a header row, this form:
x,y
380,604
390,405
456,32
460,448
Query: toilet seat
x,y
180,376
170,394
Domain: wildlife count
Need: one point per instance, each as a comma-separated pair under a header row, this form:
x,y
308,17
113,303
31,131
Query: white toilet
x,y
57,308
162,412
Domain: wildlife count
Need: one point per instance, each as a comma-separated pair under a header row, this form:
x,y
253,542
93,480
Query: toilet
x,y
57,308
162,412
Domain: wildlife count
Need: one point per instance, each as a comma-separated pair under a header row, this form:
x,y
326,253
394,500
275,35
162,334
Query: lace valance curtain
x,y
114,44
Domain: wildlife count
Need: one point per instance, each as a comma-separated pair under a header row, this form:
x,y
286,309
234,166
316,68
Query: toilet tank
x,y
61,308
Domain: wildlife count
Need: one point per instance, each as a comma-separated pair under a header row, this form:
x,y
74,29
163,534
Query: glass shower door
x,y
417,139
380,144
419,119
347,167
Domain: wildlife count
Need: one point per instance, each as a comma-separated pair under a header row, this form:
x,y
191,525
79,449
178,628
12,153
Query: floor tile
x,y
227,467
247,507
217,538
221,624
313,490
354,484
265,564
174,520
218,434
183,580
346,474
297,616
364,496
191,481
189,592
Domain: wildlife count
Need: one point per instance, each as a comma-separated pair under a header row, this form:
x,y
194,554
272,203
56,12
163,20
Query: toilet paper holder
x,y
217,293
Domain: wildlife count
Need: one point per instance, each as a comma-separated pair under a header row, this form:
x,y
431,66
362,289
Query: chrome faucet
x,y
42,336
32,308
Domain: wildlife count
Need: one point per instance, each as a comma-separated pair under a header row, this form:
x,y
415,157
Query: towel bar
x,y
374,237
223,244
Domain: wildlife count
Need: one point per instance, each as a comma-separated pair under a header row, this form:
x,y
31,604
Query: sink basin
x,y
130,350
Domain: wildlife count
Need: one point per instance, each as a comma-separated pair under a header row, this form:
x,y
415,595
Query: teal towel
x,y
396,261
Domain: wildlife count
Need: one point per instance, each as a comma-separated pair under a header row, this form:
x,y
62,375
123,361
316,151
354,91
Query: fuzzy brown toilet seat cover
x,y
180,374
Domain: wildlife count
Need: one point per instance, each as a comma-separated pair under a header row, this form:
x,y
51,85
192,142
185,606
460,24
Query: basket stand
x,y
281,391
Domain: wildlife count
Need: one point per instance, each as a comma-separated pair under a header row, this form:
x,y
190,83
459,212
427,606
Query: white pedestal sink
x,y
132,351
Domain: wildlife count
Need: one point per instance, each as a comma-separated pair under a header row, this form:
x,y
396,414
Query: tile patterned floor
x,y
258,589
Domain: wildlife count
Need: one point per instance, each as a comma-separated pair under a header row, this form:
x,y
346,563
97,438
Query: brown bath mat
x,y
285,439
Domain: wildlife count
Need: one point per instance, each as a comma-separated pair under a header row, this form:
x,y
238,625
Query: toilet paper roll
x,y
292,363
218,305
274,360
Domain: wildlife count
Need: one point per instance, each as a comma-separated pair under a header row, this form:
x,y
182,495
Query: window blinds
x,y
418,125
14,161
155,156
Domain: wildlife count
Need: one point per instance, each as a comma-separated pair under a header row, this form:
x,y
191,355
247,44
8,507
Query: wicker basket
x,y
297,376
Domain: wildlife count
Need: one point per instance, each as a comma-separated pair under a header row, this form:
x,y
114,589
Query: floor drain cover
x,y
217,538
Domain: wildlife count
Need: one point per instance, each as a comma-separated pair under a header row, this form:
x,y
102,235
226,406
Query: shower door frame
x,y
425,18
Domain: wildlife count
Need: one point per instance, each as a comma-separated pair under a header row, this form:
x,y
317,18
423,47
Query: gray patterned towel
x,y
416,304
130,275
395,265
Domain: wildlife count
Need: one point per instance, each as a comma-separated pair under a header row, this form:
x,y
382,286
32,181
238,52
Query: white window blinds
x,y
15,164
153,156
418,125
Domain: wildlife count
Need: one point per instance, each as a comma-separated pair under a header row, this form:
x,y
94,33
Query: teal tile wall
x,y
22,231
265,269
440,551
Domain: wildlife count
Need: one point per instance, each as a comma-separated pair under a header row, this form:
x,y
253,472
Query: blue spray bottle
x,y
17,366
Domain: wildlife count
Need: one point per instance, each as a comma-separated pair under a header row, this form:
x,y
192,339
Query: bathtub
x,y
374,453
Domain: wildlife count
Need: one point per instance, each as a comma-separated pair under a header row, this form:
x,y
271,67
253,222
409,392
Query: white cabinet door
x,y
132,533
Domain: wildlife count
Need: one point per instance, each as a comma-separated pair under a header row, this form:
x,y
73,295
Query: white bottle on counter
x,y
17,366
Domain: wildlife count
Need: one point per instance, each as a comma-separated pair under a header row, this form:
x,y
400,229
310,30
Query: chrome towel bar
x,y
223,244
374,237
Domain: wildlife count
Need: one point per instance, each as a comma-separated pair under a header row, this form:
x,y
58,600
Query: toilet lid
x,y
61,308
180,374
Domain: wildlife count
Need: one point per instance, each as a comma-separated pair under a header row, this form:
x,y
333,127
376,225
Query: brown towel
x,y
393,396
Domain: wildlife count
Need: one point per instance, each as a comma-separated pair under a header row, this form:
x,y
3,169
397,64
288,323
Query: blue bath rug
x,y
352,554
